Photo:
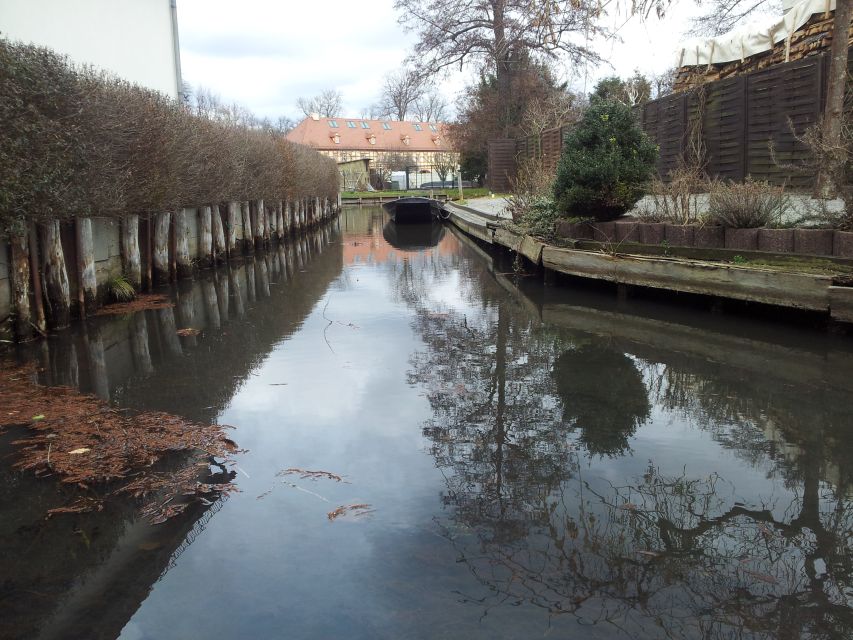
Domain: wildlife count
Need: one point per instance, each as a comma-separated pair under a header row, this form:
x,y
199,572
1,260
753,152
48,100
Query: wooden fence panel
x,y
724,126
782,101
502,164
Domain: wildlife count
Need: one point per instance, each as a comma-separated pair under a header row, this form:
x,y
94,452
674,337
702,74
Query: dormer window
x,y
405,140
371,139
336,137
436,140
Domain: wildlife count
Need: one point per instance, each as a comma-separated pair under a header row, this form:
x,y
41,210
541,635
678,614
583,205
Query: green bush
x,y
606,163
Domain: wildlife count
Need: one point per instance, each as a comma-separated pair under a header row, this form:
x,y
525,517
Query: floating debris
x,y
187,332
85,441
305,474
355,509
140,303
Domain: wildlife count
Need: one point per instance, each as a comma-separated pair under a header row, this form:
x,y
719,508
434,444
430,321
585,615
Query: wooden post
x,y
35,274
231,236
162,223
258,220
55,276
87,283
267,227
205,236
279,219
183,263
148,257
248,242
273,220
130,251
219,250
20,273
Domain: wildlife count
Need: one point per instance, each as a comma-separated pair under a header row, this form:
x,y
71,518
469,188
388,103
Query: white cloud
x,y
264,54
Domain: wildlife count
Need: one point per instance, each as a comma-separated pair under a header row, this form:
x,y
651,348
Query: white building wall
x,y
131,38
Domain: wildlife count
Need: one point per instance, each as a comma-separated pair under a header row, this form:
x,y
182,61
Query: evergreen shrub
x,y
606,164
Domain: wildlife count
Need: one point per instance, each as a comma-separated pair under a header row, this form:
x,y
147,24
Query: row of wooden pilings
x,y
225,231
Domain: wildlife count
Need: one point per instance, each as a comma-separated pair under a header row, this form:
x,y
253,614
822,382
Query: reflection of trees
x,y
603,395
652,555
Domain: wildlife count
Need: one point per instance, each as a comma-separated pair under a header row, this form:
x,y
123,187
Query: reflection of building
x,y
138,40
388,145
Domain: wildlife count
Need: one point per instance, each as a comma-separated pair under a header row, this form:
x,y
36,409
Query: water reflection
x,y
544,507
540,461
412,237
101,566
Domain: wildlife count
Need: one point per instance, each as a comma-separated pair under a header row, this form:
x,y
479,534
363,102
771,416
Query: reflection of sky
x,y
277,567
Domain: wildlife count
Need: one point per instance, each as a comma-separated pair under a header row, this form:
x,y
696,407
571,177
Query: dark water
x,y
539,462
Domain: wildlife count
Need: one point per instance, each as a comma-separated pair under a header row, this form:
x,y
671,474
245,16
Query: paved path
x,y
496,206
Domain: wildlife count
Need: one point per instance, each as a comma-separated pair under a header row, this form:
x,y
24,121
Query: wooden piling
x,y
183,263
87,283
162,223
20,274
55,275
248,241
219,251
130,260
205,236
231,230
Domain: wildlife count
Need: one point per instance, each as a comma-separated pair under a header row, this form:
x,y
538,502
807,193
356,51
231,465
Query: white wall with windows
x,y
134,39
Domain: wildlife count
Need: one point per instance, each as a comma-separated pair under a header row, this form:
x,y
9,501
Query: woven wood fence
x,y
747,126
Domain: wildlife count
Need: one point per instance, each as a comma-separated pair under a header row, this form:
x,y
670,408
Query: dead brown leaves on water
x,y
140,303
305,474
356,510
188,332
82,440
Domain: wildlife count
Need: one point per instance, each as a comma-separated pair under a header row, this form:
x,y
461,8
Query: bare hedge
x,y
76,142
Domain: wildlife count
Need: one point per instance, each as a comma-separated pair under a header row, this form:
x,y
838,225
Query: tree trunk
x,y
87,283
231,236
162,224
273,220
267,231
56,276
35,273
21,285
218,234
130,251
832,177
205,236
148,255
248,242
183,263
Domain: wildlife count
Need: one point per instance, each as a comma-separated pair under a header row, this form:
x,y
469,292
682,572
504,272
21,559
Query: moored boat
x,y
413,210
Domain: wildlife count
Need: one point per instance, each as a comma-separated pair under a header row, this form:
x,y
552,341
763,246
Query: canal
x,y
491,458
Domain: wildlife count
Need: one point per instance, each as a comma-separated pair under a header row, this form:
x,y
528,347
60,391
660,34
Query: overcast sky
x,y
266,53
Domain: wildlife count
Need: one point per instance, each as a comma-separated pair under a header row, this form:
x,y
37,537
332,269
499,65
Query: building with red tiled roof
x,y
388,144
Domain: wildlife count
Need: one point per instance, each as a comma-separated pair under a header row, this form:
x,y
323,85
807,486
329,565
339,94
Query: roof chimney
x,y
315,116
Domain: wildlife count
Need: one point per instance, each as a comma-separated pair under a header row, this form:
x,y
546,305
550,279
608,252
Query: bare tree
x,y
327,104
431,106
552,110
496,32
721,16
400,91
444,164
